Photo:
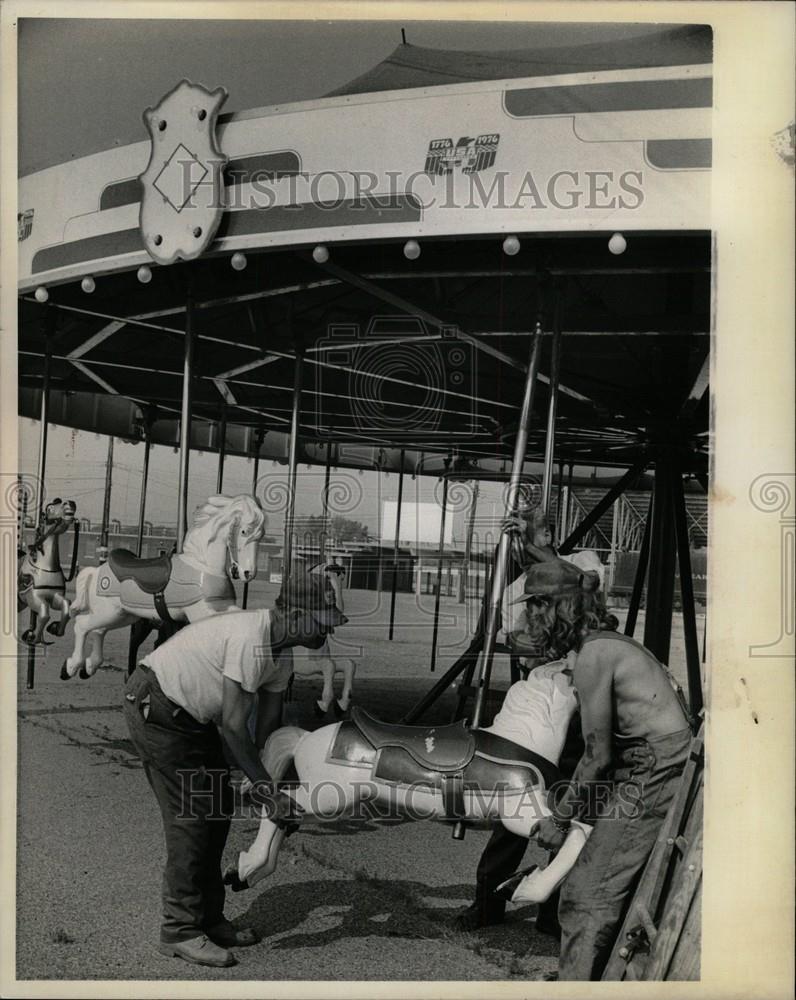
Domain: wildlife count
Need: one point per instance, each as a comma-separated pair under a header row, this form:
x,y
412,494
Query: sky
x,y
83,85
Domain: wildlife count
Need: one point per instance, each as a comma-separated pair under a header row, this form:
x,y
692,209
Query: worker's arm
x,y
237,706
593,679
269,715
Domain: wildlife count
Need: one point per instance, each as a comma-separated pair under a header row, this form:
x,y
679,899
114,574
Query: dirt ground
x,y
351,900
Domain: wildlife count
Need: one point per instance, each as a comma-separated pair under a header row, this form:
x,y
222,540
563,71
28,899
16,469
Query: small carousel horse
x,y
429,772
41,584
220,546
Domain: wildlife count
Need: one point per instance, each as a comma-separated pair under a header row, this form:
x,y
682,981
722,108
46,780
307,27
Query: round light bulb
x,y
511,246
238,261
411,249
88,284
617,244
320,254
41,294
144,274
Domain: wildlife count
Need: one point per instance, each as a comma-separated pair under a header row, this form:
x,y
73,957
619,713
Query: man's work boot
x,y
200,951
226,935
481,914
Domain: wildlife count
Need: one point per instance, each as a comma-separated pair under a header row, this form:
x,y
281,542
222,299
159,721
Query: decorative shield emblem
x,y
181,188
24,224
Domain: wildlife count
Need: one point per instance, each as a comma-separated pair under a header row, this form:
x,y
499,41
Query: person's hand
x,y
548,835
514,524
276,805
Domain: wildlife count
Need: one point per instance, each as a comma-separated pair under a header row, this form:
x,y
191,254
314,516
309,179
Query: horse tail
x,y
279,749
83,583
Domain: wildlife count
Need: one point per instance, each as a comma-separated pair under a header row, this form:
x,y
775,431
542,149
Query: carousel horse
x,y
220,546
41,584
428,772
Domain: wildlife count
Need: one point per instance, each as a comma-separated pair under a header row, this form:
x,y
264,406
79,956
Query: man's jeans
x,y
595,895
184,763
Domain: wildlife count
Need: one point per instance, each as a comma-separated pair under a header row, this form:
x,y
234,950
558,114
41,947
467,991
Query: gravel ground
x,y
351,901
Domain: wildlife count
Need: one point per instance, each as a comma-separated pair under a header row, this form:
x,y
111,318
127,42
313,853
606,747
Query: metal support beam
x,y
395,551
222,447
258,443
692,657
106,503
41,467
640,577
185,420
660,588
550,439
502,557
144,479
298,377
468,545
327,472
440,556
603,505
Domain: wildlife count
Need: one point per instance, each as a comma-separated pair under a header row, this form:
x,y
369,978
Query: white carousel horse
x,y
41,584
322,663
221,543
428,772
305,664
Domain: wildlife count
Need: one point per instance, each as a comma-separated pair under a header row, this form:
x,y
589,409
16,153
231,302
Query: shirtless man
x,y
637,734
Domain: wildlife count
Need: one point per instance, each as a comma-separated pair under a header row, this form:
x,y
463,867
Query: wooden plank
x,y
686,961
678,905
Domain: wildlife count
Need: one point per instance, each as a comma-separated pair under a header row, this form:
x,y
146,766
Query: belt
x,y
177,709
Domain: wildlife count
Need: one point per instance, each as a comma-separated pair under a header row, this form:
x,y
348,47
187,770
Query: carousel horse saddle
x,y
440,748
151,575
449,758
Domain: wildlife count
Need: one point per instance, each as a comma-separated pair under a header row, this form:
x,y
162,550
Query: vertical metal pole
x,y
44,417
395,546
258,443
550,439
144,477
560,532
222,447
692,657
106,505
660,586
502,557
440,556
298,375
185,420
468,545
641,574
323,541
614,537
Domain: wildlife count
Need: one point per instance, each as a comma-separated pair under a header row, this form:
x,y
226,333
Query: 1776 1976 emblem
x,y
181,188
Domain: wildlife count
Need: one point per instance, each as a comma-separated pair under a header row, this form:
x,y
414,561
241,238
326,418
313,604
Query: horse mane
x,y
222,510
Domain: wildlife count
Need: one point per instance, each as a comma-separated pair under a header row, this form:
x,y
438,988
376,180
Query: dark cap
x,y
306,592
557,578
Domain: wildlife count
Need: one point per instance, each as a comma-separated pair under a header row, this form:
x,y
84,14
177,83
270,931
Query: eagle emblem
x,y
469,155
24,224
181,188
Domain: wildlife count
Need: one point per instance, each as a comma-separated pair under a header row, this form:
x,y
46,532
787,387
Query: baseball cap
x,y
306,591
557,578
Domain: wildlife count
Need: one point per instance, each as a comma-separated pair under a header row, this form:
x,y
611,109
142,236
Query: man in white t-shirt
x,y
186,697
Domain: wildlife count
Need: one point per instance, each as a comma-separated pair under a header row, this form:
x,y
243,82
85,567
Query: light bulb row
x,y
617,244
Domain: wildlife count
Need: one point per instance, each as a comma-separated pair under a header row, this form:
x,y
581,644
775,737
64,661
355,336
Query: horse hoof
x,y
65,675
507,889
53,627
233,880
29,637
319,710
84,674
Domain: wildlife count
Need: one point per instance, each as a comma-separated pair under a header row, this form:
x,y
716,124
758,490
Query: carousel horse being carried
x,y
500,774
220,546
41,583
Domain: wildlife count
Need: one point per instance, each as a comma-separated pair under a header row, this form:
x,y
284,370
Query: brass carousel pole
x,y
395,546
298,375
185,419
258,443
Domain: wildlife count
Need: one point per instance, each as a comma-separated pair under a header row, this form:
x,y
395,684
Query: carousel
x,y
472,266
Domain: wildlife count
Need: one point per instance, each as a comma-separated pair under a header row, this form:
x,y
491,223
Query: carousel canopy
x,y
424,354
